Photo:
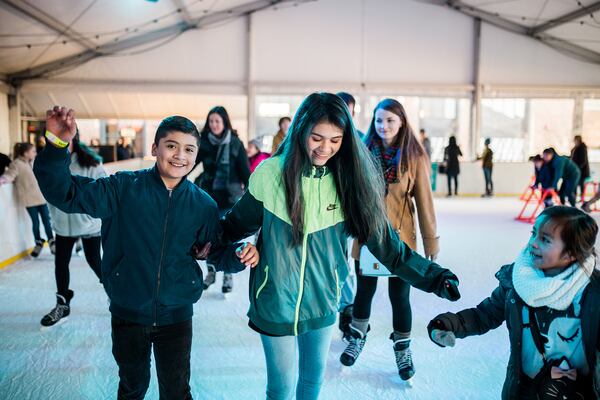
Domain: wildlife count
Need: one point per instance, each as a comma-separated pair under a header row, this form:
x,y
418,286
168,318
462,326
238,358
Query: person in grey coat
x,y
69,229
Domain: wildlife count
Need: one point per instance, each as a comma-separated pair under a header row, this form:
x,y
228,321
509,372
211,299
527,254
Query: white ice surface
x,y
74,360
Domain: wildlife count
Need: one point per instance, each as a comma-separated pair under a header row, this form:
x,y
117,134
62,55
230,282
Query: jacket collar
x,y
154,172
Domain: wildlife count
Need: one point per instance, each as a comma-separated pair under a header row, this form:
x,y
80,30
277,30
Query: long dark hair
x,y
20,149
222,112
85,157
578,230
358,181
405,139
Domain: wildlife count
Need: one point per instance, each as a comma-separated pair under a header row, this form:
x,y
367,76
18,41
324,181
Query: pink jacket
x,y
257,159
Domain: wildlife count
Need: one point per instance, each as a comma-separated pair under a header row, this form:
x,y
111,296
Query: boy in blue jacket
x,y
151,219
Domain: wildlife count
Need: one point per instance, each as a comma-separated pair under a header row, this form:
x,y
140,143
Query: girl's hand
x,y
248,254
61,122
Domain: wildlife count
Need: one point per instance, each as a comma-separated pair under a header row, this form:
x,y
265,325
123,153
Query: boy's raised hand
x,y
248,254
60,121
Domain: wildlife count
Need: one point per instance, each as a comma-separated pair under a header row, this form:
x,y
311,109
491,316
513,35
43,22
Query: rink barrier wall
x,y
16,240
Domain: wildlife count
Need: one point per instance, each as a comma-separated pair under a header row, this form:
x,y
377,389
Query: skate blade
x,y
47,328
345,370
226,295
408,383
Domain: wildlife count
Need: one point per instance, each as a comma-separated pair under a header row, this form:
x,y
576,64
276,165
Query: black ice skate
x,y
356,343
227,283
37,249
210,277
60,312
406,368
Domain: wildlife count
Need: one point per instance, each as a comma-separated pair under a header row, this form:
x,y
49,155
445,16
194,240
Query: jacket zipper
x,y
337,286
308,207
162,251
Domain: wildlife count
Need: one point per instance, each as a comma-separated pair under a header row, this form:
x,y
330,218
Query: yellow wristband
x,y
58,142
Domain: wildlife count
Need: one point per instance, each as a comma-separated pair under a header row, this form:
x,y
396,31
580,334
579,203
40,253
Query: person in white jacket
x,y
69,229
20,172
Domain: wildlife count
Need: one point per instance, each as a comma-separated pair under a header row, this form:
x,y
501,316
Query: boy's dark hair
x,y
347,97
283,119
578,230
550,150
176,123
20,149
535,158
422,130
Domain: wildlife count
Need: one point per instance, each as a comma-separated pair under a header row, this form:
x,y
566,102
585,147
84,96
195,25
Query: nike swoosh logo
x,y
331,207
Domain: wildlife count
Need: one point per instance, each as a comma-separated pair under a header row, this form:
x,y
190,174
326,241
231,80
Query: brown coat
x,y
26,186
277,139
413,184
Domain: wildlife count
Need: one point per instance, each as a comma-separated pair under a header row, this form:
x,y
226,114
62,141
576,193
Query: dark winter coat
x,y
504,304
579,155
148,270
239,171
543,176
451,155
563,167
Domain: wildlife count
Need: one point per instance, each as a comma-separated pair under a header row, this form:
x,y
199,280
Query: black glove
x,y
440,334
449,289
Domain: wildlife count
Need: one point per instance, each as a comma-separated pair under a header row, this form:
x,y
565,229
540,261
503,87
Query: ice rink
x,y
74,360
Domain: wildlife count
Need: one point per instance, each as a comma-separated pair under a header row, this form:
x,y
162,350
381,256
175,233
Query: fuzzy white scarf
x,y
556,292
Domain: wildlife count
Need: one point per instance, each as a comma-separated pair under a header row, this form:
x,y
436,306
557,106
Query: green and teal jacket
x,y
296,288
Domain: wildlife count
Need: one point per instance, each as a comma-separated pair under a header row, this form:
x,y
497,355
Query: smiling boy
x,y
151,219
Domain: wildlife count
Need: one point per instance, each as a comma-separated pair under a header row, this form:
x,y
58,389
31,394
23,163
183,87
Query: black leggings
x,y
452,177
399,292
64,247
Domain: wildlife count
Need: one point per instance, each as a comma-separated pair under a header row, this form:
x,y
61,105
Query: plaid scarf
x,y
388,158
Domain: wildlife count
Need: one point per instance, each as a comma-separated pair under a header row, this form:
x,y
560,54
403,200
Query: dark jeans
x,y
568,189
64,248
172,344
452,176
489,185
399,293
35,221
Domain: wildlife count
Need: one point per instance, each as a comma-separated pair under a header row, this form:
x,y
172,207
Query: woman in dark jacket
x,y
451,154
226,171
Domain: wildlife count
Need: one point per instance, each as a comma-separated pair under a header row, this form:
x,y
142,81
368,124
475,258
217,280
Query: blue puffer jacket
x,y
148,269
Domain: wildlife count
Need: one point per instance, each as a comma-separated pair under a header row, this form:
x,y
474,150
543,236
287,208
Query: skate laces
x,y
355,344
403,358
57,312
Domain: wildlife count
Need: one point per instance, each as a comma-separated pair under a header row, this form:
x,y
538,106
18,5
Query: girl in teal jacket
x,y
320,187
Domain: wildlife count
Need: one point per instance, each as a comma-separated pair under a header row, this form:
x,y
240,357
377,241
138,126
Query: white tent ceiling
x,y
135,58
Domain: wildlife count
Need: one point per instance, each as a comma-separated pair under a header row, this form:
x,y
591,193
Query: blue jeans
x,y
281,354
35,221
489,185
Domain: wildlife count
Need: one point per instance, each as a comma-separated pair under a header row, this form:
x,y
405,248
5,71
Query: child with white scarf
x,y
549,298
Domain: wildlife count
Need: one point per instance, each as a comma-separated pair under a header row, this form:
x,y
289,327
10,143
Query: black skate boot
x,y
344,322
406,368
227,283
356,343
210,277
60,312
